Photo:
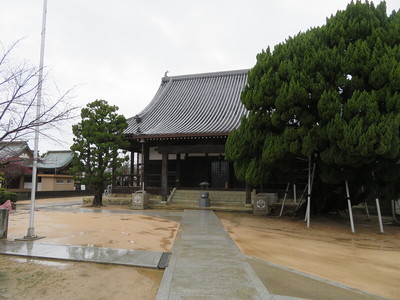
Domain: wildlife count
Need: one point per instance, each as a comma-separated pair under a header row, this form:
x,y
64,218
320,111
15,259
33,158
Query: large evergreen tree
x,y
97,139
331,93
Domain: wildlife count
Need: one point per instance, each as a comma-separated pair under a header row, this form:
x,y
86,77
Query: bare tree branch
x,y
18,92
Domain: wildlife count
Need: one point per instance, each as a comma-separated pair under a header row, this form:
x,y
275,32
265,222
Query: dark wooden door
x,y
219,174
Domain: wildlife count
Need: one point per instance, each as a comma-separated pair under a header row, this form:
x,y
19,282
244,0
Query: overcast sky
x,y
118,50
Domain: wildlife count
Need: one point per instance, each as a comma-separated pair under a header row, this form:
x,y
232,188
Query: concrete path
x,y
206,264
137,258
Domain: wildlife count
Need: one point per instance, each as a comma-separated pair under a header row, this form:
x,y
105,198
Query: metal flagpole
x,y
31,230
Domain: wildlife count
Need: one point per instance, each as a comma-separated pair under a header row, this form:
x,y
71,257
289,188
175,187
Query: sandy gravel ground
x,y
121,231
368,261
25,279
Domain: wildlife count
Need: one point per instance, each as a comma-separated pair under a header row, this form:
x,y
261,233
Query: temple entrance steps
x,y
217,197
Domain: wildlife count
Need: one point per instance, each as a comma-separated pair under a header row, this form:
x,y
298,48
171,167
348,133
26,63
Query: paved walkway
x,y
206,264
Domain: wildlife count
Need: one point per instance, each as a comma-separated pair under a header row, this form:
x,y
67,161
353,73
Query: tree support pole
x,y
349,206
294,193
367,211
310,184
284,199
312,177
309,192
301,198
394,212
378,209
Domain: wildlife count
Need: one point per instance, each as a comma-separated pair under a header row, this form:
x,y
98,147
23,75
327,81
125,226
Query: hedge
x,y
4,196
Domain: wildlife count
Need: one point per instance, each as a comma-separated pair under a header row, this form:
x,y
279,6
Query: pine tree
x,y
332,92
97,139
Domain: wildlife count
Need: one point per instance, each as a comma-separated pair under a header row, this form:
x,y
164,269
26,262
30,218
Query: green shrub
x,y
4,196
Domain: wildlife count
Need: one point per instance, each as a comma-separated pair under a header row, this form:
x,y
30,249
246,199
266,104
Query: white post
x,y
31,231
309,192
378,210
349,206
284,199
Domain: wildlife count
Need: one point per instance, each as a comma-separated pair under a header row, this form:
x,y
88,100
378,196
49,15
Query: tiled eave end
x,y
178,137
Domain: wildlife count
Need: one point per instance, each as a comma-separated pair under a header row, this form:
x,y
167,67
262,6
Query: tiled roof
x,y
190,105
14,149
55,159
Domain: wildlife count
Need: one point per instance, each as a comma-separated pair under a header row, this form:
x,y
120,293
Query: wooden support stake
x,y
349,205
378,209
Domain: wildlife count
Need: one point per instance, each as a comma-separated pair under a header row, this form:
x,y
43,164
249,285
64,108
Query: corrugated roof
x,y
190,105
55,159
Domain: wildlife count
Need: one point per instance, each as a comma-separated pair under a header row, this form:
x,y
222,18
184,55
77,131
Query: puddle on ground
x,y
92,245
49,263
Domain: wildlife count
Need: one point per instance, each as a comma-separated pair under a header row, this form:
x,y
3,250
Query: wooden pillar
x,y
164,176
132,168
144,159
138,166
178,171
248,193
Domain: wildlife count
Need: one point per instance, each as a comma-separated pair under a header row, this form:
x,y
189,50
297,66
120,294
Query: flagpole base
x,y
30,236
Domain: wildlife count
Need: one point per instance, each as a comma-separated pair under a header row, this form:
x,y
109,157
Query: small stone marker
x,y
261,205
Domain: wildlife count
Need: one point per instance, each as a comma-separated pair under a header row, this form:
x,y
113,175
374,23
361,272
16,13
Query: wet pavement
x,y
136,258
280,280
205,263
76,207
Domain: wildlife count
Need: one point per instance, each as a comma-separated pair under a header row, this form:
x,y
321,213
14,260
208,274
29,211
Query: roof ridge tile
x,y
206,75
